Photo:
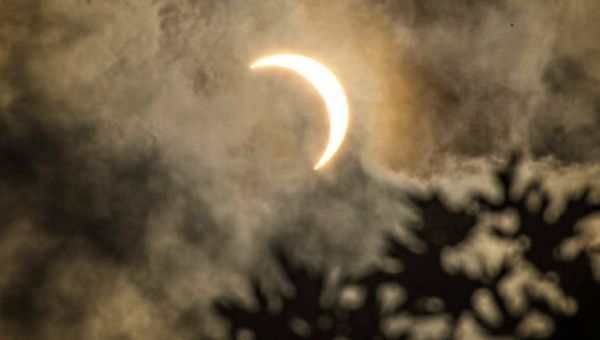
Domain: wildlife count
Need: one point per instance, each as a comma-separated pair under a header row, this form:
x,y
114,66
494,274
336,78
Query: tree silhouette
x,y
429,288
302,315
576,277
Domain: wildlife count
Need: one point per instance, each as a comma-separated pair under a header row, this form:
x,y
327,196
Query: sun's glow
x,y
330,89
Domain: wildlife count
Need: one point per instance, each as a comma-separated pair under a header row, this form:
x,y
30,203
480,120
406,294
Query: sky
x,y
144,168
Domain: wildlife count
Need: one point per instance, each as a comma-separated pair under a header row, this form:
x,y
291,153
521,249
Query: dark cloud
x,y
485,77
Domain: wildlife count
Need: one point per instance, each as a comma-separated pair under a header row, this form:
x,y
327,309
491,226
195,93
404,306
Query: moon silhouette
x,y
330,89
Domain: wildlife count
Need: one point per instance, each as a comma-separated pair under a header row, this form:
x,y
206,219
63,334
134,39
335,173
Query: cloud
x,y
142,166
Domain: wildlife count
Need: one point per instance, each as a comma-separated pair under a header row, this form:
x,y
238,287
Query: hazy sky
x,y
143,166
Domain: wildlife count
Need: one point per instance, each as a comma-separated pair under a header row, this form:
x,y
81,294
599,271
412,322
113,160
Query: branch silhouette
x,y
429,288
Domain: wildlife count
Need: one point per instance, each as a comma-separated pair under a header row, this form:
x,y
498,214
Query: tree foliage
x,y
429,288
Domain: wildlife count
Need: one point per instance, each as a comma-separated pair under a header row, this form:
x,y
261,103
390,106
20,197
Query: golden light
x,y
328,86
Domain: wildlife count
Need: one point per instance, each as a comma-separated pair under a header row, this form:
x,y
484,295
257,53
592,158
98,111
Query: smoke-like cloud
x,y
143,167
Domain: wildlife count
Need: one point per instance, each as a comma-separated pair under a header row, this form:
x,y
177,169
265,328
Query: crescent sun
x,y
328,86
